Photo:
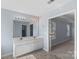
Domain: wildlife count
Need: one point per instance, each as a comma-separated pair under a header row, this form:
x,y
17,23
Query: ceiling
x,y
33,7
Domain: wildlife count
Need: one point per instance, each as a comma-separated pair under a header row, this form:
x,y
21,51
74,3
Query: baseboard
x,y
60,42
6,54
45,49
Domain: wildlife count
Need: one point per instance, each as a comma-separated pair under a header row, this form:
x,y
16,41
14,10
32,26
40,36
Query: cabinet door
x,y
20,50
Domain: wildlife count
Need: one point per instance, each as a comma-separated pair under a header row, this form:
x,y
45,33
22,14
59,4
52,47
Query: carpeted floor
x,y
62,51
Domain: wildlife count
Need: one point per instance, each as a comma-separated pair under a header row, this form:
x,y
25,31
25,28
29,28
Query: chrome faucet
x,y
21,38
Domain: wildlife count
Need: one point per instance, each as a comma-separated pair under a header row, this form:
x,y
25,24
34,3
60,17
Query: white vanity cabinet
x,y
26,45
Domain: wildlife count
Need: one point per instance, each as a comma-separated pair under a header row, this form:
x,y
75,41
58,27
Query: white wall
x,y
43,32
35,27
6,32
7,18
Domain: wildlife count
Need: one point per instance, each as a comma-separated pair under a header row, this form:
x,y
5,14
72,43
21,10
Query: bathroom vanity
x,y
24,45
26,37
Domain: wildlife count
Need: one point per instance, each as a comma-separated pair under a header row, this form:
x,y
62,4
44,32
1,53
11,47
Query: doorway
x,y
61,29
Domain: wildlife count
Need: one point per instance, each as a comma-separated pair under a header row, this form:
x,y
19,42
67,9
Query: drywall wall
x,y
7,18
35,28
17,28
6,33
43,32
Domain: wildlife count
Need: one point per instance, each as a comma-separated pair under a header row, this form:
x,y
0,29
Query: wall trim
x,y
45,50
61,14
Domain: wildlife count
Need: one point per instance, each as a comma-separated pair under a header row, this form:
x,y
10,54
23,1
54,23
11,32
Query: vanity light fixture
x,y
19,18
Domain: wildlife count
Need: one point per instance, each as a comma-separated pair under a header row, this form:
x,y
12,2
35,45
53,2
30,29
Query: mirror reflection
x,y
23,29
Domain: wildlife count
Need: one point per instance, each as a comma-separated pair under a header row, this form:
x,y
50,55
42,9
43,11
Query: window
x,y
68,30
53,26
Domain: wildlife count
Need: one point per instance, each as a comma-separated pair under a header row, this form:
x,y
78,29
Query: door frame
x,y
75,26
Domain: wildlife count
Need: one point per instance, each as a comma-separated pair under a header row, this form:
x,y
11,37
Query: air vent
x,y
49,2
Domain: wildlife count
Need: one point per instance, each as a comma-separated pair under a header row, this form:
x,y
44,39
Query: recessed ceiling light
x,y
50,1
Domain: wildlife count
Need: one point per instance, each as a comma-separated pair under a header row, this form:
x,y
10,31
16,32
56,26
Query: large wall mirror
x,y
24,29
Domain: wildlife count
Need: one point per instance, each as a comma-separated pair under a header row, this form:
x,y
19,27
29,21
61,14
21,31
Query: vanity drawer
x,y
19,50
